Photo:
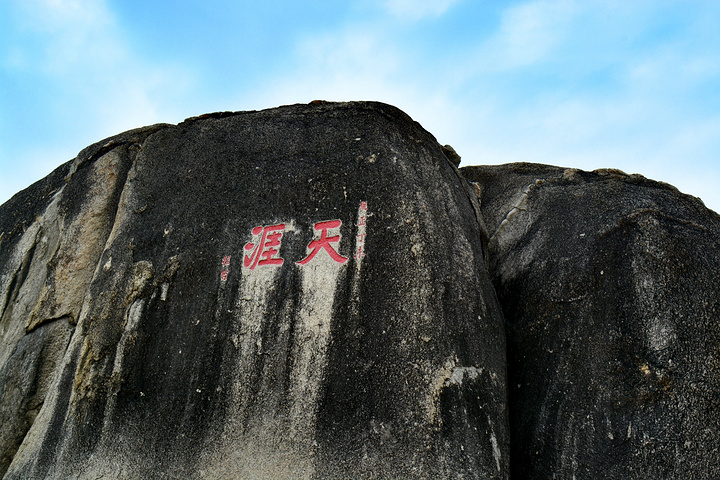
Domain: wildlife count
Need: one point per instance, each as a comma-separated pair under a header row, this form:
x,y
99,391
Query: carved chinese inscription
x,y
324,242
265,251
225,268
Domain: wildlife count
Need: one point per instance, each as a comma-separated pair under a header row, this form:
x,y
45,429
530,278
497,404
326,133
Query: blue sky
x,y
633,85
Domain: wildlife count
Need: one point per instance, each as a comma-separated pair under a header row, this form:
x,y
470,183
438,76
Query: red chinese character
x,y
264,253
361,237
360,253
361,221
324,242
226,268
363,205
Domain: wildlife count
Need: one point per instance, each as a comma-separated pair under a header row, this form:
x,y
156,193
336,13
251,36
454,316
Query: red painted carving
x,y
323,243
265,251
226,268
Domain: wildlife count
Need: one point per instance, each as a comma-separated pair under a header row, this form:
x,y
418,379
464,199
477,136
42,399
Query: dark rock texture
x,y
609,287
293,293
317,292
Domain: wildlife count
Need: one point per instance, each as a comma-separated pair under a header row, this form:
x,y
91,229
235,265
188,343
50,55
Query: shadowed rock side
x,y
608,284
292,293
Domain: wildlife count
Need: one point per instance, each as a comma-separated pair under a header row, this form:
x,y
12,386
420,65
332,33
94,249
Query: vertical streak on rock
x,y
124,349
83,240
22,285
652,274
252,313
246,443
360,237
319,282
359,254
15,290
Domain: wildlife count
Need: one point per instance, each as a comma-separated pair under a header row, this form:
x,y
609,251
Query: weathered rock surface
x,y
316,291
609,287
51,238
293,293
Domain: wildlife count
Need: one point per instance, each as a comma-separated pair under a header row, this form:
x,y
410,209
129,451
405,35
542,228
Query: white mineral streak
x,y
519,205
319,282
251,314
661,333
361,235
125,345
494,443
460,374
262,443
236,452
129,333
440,379
512,228
360,238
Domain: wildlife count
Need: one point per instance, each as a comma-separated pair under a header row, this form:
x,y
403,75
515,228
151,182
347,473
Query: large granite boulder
x,y
609,287
316,291
293,293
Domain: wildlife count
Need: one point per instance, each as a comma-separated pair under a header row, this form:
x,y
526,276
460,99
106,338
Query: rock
x,y
292,293
317,292
451,155
51,238
608,284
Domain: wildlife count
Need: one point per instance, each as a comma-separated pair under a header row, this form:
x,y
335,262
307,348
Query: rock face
x,y
292,293
317,292
608,284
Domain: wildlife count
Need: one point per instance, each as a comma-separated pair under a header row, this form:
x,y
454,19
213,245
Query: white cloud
x,y
87,57
361,63
672,68
67,32
604,102
416,9
621,86
528,34
53,15
95,85
529,31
